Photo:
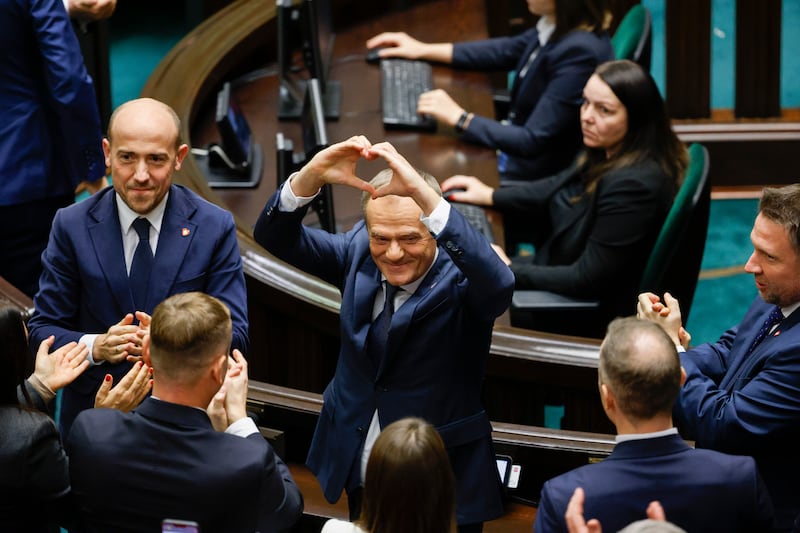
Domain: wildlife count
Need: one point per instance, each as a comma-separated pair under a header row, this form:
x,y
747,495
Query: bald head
x,y
146,109
640,364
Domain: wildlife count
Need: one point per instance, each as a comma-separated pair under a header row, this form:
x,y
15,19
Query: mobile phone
x,y
182,526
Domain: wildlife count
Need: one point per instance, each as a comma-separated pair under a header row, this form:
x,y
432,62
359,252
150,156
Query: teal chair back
x,y
633,37
674,263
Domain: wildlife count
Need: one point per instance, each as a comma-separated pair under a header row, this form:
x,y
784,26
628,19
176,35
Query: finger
x,y
655,511
143,318
646,302
593,526
76,355
102,392
671,302
126,320
44,346
133,358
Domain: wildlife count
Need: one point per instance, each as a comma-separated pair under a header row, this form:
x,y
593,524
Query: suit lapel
x,y
366,285
518,81
742,365
106,236
177,233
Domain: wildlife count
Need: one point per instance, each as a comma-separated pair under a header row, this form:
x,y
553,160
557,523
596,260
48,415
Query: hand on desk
x,y
402,45
471,190
438,104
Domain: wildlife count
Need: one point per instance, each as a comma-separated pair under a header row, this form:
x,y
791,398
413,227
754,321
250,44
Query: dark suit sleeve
x,y
491,283
314,251
280,502
57,302
226,282
739,420
548,516
498,54
629,207
71,91
569,63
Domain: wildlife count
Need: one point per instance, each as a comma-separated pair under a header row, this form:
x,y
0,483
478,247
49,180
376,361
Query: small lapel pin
x,y
777,332
185,232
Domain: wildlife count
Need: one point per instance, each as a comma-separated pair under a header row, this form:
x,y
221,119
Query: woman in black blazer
x,y
551,63
34,485
594,224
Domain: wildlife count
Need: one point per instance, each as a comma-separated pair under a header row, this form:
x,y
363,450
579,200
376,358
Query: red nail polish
x,y
108,377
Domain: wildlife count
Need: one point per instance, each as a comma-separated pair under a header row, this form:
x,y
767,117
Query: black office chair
x,y
633,37
673,265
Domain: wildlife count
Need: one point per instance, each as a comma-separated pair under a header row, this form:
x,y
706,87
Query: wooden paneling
x,y
688,29
758,58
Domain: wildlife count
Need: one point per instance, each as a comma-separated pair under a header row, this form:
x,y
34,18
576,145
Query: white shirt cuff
x,y
244,427
437,220
288,201
680,348
88,340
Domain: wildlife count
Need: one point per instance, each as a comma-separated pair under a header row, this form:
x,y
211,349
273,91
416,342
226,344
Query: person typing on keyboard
x,y
594,224
550,62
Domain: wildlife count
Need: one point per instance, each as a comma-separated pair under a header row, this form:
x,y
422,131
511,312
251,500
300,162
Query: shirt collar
x,y
643,436
128,215
545,26
789,309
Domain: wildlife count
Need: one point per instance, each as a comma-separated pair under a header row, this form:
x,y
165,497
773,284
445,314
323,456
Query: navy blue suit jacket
x,y
438,345
750,405
50,136
700,490
544,133
84,286
131,470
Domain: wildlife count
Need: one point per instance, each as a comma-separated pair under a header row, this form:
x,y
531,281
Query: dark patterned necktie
x,y
142,264
775,316
379,330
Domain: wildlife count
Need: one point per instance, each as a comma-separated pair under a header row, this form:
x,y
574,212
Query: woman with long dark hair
x,y
550,62
594,224
408,486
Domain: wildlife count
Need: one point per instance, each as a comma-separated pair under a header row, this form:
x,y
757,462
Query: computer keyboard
x,y
402,81
476,216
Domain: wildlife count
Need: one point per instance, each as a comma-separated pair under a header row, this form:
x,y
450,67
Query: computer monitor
x,y
312,21
315,138
233,128
236,161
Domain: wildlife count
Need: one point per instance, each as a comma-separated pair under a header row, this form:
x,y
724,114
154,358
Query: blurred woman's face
x,y
604,119
542,7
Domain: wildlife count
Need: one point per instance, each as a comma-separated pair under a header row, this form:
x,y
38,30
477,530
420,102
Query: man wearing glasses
x,y
420,291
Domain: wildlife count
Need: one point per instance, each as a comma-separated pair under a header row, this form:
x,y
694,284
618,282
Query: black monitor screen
x,y
233,128
315,135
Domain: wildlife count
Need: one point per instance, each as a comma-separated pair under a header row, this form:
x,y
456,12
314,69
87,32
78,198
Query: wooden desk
x,y
441,153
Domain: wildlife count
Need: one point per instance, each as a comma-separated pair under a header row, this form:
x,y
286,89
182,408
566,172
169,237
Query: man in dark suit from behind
x,y
700,490
742,393
190,451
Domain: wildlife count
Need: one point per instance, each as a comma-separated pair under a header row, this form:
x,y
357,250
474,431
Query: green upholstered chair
x,y
633,37
673,265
